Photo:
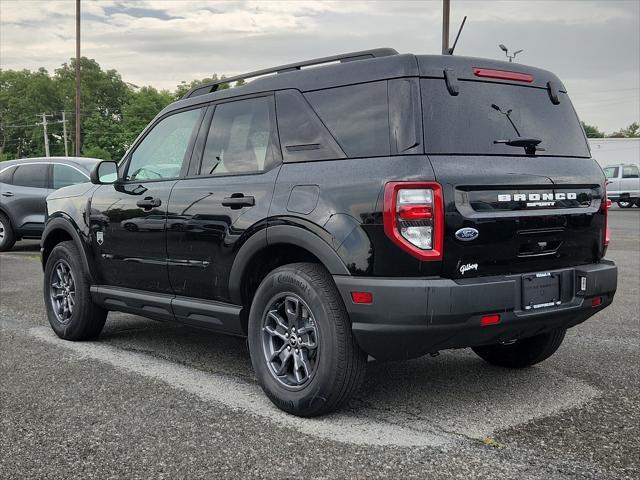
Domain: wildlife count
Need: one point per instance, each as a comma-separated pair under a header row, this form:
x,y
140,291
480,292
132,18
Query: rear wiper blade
x,y
530,144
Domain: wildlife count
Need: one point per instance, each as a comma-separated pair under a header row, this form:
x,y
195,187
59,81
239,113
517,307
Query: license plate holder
x,y
540,290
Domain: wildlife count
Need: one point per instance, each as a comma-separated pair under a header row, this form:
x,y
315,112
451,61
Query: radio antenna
x,y
457,36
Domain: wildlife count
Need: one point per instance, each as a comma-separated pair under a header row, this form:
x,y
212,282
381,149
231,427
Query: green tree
x,y
24,96
102,93
141,107
591,131
632,131
184,87
97,152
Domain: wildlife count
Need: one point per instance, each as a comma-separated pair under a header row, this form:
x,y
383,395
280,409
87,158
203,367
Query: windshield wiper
x,y
530,144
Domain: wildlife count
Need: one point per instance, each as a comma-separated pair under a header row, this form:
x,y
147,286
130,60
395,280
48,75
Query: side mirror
x,y
104,173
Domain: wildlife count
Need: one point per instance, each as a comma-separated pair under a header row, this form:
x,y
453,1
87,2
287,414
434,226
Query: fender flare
x,y
61,223
281,234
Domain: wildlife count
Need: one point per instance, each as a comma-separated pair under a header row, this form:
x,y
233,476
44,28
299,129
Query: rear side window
x,y
64,175
34,175
241,138
611,172
357,116
484,112
630,171
303,136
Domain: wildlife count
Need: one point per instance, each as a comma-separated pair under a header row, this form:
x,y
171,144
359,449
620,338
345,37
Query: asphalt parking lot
x,y
158,400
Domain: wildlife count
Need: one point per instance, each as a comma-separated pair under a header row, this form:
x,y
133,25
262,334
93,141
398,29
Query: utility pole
x,y
64,133
77,78
46,137
446,8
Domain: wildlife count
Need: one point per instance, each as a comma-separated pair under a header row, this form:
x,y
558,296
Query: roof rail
x,y
346,57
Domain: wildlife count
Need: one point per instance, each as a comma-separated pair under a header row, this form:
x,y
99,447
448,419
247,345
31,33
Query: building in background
x,y
612,151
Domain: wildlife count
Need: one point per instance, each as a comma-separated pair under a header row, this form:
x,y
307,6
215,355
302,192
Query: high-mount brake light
x,y
502,75
414,218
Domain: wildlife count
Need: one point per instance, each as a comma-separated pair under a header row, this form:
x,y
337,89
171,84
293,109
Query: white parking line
x,y
240,395
448,408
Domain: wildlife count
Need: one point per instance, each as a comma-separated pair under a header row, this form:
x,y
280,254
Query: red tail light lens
x,y
604,208
502,75
414,218
362,297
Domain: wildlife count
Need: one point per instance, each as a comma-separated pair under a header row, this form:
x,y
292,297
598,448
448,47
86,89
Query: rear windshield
x,y
484,112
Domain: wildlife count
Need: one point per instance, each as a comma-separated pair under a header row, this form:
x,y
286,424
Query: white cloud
x,y
592,46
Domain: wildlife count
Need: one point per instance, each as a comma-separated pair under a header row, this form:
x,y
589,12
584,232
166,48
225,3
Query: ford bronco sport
x,y
377,204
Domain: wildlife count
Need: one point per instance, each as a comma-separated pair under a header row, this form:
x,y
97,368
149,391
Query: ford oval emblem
x,y
467,234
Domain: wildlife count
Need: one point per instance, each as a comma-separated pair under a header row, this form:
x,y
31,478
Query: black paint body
x,y
193,259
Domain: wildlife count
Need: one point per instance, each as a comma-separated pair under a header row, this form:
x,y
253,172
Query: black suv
x,y
383,204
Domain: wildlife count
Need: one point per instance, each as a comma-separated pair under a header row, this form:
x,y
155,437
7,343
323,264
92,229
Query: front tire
x,y
71,312
7,235
523,353
302,349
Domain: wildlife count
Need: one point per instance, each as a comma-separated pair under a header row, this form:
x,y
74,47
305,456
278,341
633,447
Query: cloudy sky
x,y
593,46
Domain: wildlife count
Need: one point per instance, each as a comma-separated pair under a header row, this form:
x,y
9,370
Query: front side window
x,y
630,171
611,172
64,175
164,149
241,138
34,175
6,174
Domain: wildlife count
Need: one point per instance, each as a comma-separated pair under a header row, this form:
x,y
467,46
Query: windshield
x,y
484,112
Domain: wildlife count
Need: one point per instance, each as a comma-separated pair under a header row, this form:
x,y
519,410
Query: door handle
x,y
149,202
237,201
7,194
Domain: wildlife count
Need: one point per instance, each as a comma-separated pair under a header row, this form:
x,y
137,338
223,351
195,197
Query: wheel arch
x,y
273,247
59,230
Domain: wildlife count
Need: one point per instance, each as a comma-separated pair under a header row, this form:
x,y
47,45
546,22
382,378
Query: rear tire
x,y
71,312
7,235
523,353
298,312
625,203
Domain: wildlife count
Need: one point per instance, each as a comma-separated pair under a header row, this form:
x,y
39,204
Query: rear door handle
x,y
7,194
149,202
237,201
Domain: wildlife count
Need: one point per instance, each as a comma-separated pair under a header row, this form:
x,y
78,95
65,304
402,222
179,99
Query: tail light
x,y
414,218
604,208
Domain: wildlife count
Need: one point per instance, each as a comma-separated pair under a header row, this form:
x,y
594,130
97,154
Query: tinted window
x,y
357,116
5,176
611,172
630,171
302,135
34,175
63,175
469,123
241,138
163,150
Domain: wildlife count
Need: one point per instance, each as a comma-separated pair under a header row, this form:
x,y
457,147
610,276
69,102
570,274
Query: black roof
x,y
363,67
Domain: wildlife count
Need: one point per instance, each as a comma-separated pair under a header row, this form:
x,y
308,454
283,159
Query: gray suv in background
x,y
24,186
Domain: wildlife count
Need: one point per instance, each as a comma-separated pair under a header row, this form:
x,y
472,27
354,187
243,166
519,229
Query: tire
x,y
523,353
64,272
7,235
336,366
638,202
625,203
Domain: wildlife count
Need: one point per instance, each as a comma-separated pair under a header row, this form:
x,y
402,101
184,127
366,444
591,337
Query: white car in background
x,y
623,184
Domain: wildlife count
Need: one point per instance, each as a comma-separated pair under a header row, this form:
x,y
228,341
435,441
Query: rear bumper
x,y
410,317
